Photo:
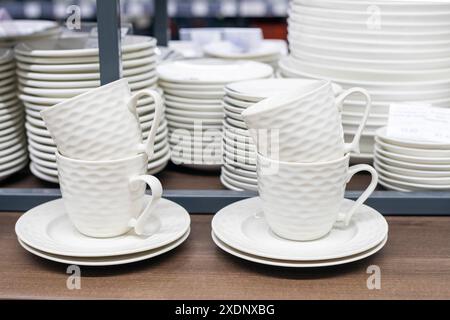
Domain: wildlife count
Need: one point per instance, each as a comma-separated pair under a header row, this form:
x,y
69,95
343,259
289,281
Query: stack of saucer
x,y
193,91
241,230
406,165
239,156
53,70
13,150
15,31
47,232
268,51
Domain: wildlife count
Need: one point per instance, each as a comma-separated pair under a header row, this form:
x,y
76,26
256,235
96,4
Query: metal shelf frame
x,y
205,201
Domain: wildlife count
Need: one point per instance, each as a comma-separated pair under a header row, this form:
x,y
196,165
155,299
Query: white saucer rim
x,y
251,250
106,253
300,264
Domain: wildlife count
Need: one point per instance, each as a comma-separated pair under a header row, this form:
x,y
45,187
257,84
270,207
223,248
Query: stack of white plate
x,y
398,50
268,51
406,165
194,90
239,157
241,230
46,231
13,149
51,71
14,31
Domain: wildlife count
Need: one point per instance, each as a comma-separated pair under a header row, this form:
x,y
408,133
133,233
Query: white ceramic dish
x,y
411,172
296,264
106,261
47,228
243,227
437,182
411,165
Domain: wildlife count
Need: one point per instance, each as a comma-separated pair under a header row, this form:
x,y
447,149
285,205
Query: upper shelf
x,y
56,9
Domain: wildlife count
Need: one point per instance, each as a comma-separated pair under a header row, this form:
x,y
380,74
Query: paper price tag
x,y
419,122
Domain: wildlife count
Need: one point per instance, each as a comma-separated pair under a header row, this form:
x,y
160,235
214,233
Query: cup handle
x,y
345,217
147,147
157,190
354,145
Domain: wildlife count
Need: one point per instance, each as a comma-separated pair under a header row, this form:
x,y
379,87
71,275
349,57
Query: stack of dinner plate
x,y
14,31
398,50
406,165
268,51
239,156
194,90
13,149
50,71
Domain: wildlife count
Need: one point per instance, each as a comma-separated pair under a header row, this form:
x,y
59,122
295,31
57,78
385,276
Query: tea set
x,y
299,219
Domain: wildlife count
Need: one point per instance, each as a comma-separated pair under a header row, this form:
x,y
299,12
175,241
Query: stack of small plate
x,y
50,71
239,156
406,165
398,50
241,230
269,51
47,232
14,31
194,91
13,149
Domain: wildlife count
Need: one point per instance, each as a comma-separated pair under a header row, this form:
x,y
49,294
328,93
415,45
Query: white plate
x,y
87,59
382,134
257,90
227,50
411,165
48,228
193,87
242,226
191,101
411,172
212,71
438,182
4,174
17,29
413,159
296,264
13,160
37,172
236,177
410,186
239,171
185,107
195,94
232,161
431,153
237,185
107,261
193,126
79,46
391,187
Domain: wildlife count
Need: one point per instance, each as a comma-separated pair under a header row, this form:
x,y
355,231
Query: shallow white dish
x,y
212,71
106,261
226,50
242,226
411,172
47,228
437,182
411,165
296,264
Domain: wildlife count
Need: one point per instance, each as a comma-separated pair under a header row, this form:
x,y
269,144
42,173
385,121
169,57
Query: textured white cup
x,y
303,125
102,124
107,198
301,201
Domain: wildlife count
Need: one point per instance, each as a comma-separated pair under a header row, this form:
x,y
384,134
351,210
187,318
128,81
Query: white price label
x,y
419,122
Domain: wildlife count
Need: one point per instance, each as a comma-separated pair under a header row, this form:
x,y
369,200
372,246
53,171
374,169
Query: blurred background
x,y
269,15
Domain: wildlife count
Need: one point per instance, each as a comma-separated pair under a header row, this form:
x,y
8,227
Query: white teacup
x,y
303,125
107,198
102,124
301,201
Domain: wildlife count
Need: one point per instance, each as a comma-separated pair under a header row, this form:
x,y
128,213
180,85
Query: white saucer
x,y
242,226
48,228
296,264
107,261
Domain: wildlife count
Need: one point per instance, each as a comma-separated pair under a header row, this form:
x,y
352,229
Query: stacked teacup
x,y
102,159
303,161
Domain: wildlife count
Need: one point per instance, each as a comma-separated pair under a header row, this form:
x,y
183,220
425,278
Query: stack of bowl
x,y
407,165
54,70
193,91
398,50
13,149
